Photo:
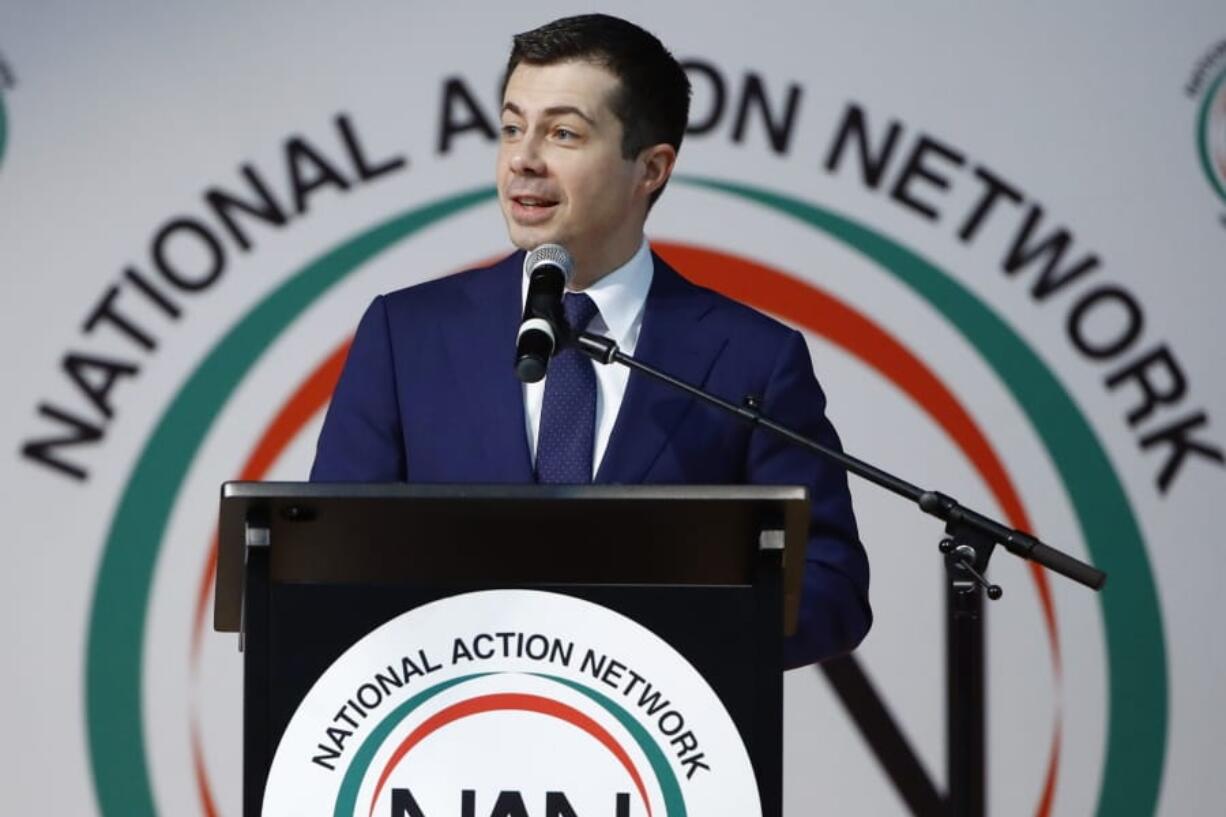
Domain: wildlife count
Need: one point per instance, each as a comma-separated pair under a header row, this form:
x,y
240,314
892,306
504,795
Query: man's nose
x,y
527,160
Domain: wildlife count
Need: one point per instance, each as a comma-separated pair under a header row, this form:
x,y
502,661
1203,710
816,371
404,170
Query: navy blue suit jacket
x,y
429,395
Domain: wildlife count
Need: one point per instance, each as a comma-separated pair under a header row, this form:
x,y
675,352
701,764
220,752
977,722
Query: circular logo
x,y
511,702
1211,135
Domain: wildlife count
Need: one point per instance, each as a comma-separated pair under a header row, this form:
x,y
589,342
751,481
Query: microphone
x,y
549,269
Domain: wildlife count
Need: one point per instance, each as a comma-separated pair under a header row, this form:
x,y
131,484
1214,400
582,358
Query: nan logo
x,y
507,804
511,703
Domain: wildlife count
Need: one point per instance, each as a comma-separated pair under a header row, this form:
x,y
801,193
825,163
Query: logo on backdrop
x,y
511,702
188,256
1207,86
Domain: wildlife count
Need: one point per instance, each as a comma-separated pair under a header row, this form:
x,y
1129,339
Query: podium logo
x,y
511,703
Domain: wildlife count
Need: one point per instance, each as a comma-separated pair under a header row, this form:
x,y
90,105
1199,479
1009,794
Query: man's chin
x,y
530,237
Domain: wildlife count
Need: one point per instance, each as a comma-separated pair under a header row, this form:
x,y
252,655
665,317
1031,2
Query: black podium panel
x,y
323,566
705,624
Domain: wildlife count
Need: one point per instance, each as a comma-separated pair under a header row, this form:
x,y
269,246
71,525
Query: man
x,y
594,109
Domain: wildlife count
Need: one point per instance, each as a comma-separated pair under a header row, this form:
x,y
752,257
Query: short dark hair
x,y
653,103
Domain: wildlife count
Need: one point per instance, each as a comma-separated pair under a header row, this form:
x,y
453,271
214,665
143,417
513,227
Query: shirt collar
x,y
621,295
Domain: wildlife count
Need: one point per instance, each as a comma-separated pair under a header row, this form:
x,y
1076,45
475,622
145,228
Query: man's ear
x,y
658,162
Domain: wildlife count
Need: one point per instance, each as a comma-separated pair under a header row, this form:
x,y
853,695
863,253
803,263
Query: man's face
x,y
561,175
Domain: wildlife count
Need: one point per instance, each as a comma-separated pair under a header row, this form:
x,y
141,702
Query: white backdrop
x,y
1022,228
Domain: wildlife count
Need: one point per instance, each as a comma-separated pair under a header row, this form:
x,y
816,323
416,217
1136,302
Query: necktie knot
x,y
579,310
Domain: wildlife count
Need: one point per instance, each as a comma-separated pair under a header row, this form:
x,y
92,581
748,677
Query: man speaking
x,y
593,113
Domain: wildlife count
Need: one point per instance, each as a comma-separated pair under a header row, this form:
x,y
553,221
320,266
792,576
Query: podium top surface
x,y
602,493
456,534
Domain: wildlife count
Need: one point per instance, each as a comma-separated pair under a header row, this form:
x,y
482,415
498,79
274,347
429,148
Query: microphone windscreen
x,y
553,255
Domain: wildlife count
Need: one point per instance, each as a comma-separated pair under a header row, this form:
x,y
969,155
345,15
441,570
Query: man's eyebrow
x,y
556,110
560,110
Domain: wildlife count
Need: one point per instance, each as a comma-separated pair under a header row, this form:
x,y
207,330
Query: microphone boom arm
x,y
934,503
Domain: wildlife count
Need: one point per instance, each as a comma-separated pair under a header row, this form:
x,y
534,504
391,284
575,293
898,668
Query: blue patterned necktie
x,y
568,411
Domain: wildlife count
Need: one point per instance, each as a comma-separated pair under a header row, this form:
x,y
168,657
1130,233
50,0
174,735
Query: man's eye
x,y
509,131
566,134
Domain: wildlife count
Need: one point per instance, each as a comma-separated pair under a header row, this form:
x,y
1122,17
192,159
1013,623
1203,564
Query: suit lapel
x,y
481,345
674,340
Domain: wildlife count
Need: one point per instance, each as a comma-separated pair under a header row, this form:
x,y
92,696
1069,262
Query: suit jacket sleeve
x,y
834,611
361,440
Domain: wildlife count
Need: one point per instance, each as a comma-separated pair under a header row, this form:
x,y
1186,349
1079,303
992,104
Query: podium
x,y
687,586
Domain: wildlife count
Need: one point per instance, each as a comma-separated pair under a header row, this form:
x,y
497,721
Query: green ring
x,y
1136,654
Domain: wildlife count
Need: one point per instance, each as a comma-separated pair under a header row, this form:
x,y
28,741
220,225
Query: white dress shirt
x,y
620,296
